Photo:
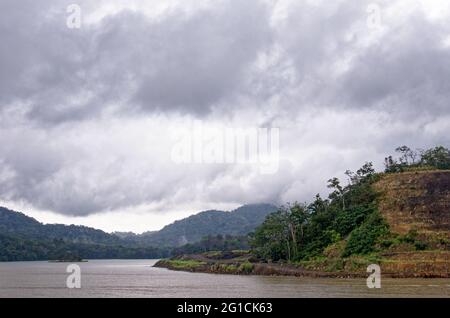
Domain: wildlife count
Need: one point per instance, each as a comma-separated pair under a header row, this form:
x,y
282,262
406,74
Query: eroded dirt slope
x,y
416,201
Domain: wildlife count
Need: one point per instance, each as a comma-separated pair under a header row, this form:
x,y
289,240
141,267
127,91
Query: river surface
x,y
137,278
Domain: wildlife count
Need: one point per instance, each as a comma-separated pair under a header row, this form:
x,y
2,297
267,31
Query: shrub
x,y
246,268
351,218
363,239
420,246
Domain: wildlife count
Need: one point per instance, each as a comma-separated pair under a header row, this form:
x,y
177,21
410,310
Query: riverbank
x,y
401,265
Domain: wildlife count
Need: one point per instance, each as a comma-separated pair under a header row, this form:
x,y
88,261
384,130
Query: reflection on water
x,y
137,278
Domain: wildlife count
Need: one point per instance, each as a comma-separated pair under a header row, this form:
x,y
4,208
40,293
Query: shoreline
x,y
201,264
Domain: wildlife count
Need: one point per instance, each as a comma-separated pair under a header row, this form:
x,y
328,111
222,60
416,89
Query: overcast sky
x,y
88,115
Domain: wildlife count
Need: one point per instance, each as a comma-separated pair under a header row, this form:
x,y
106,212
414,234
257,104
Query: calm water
x,y
137,278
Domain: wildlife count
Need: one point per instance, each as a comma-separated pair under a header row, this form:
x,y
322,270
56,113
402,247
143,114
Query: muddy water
x,y
137,278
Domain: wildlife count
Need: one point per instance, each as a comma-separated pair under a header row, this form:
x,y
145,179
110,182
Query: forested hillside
x,y
374,216
192,229
398,219
24,238
21,226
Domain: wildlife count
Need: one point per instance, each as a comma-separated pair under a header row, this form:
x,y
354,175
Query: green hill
x,y
399,219
192,229
24,238
19,225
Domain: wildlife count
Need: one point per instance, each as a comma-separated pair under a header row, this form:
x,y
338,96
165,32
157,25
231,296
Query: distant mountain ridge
x,y
193,228
25,238
20,225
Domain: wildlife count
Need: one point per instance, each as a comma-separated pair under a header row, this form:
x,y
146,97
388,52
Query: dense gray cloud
x,y
406,70
86,115
182,62
340,62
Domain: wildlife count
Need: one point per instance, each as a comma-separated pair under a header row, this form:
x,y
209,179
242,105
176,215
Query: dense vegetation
x,y
409,159
24,238
348,216
19,225
20,249
214,243
194,228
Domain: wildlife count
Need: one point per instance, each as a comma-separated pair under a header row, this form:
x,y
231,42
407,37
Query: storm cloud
x,y
88,115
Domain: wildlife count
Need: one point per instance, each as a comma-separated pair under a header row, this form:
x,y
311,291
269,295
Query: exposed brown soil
x,y
416,201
